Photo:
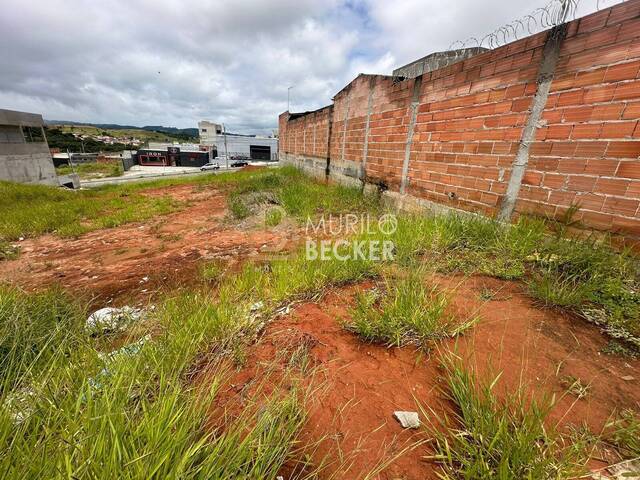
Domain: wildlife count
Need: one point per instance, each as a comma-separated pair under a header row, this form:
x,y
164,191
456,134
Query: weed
x,y
409,312
616,348
486,295
8,251
575,386
624,432
491,438
238,207
555,290
212,271
273,217
301,196
35,330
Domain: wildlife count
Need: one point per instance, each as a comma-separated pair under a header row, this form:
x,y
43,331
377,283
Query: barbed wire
x,y
554,13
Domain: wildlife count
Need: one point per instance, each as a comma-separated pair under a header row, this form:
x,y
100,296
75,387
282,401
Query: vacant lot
x,y
93,169
246,358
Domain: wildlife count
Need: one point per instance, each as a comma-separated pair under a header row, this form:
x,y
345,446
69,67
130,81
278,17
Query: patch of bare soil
x,y
351,429
133,261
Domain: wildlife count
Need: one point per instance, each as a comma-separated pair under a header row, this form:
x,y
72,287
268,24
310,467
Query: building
x,y
24,152
170,155
236,145
208,131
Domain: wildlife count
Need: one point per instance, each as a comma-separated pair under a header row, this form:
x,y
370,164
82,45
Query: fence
x,y
537,126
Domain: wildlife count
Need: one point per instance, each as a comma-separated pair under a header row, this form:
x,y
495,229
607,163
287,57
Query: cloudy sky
x,y
174,62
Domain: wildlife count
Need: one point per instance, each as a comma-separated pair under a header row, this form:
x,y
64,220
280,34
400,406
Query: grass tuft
x,y
407,312
624,432
492,438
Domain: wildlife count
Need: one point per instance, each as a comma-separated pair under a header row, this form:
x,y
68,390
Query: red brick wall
x,y
470,118
587,150
469,125
389,124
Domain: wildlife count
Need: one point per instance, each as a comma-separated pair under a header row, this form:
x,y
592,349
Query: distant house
x,y
24,153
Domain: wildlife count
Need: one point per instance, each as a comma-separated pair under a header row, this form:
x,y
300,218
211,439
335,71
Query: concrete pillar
x,y
365,148
315,127
329,129
413,112
546,71
344,125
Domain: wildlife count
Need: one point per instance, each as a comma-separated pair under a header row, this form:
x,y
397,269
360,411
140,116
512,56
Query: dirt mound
x,y
360,385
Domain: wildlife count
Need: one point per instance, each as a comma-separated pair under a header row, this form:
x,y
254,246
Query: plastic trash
x,y
110,319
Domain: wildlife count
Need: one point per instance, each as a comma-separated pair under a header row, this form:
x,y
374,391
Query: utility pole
x,y
289,96
226,151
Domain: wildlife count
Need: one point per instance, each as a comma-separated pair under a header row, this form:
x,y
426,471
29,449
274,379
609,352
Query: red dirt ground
x,y
133,261
363,384
350,416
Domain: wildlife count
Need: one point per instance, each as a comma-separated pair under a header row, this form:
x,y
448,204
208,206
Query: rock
x,y
407,419
628,378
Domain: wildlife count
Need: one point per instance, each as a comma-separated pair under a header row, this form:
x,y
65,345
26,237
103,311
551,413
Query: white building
x,y
236,145
208,132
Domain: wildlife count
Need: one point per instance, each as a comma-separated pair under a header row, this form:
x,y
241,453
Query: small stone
x,y
407,419
628,378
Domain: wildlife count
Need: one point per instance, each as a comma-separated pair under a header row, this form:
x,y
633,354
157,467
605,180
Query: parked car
x,y
210,166
239,163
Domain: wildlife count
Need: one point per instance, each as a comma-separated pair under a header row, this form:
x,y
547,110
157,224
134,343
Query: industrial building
x,y
236,145
169,155
24,153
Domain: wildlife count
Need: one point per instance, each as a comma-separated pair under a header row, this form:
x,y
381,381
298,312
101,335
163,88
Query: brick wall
x,y
451,135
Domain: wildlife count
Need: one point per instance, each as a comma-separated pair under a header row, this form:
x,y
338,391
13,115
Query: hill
x,y
154,133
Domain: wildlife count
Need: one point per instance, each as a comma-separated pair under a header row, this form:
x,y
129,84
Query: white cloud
x,y
174,62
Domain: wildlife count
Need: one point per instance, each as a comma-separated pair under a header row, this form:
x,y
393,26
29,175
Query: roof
x,y
13,117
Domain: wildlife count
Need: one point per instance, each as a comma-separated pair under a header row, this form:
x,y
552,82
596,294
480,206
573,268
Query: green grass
x,y
141,417
587,276
623,431
212,272
299,196
407,311
555,290
93,169
32,210
35,329
487,437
